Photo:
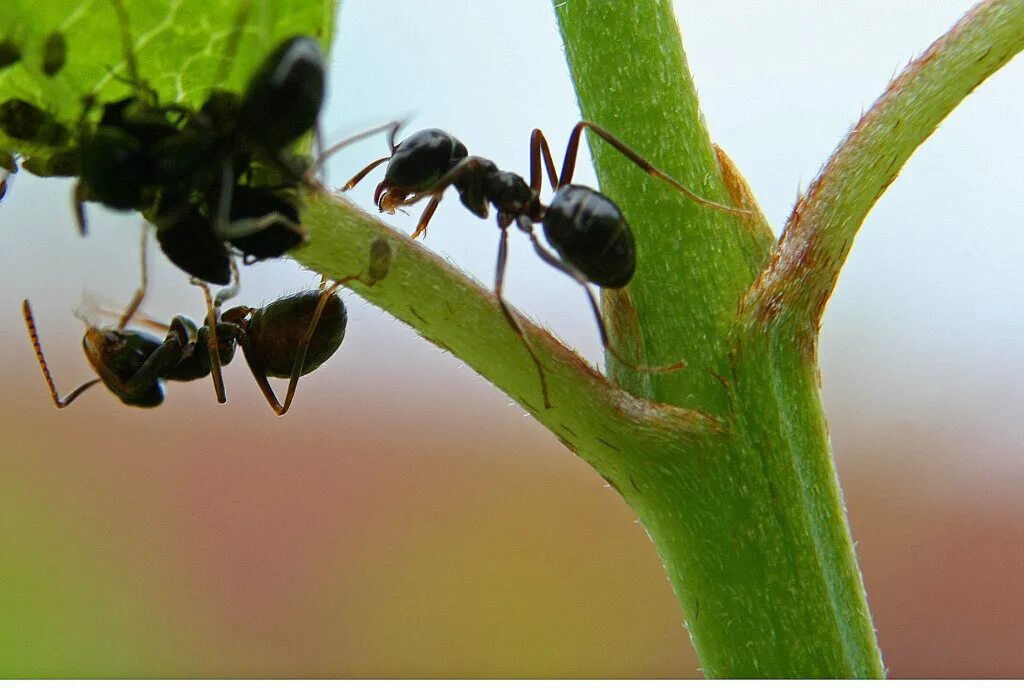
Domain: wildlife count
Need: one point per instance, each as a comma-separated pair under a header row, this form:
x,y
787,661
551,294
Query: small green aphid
x,y
23,120
55,52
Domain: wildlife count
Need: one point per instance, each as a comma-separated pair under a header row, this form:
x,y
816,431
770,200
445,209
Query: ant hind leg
x,y
605,341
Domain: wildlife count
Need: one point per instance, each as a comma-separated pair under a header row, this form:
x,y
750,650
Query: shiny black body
x,y
272,335
586,228
422,159
283,99
589,232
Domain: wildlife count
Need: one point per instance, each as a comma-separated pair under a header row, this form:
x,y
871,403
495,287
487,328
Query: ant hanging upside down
x,y
593,240
286,339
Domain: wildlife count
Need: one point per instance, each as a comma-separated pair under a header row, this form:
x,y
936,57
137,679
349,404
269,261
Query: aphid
x,y
284,96
23,120
55,52
63,163
591,236
10,53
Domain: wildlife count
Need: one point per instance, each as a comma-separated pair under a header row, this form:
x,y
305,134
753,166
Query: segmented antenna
x,y
34,337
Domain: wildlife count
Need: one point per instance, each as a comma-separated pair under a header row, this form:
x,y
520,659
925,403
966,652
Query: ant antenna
x,y
30,323
212,344
390,127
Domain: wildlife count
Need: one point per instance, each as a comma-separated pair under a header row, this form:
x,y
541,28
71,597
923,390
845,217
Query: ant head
x,y
117,356
423,158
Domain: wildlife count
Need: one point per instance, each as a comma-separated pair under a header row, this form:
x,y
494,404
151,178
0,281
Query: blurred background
x,y
406,519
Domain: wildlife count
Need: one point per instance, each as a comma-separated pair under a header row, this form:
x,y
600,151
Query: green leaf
x,y
178,45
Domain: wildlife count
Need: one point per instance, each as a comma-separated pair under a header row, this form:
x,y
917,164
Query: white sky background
x,y
924,335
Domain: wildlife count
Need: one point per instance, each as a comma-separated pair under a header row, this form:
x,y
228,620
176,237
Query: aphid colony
x,y
222,181
217,183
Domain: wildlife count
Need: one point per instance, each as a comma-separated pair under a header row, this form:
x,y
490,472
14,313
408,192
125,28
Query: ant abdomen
x,y
276,237
284,96
185,238
276,332
590,234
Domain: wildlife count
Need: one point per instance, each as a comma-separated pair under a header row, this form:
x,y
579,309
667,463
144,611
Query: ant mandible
x,y
593,240
287,338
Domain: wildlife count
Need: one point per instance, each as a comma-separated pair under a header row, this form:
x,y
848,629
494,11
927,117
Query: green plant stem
x,y
821,230
751,526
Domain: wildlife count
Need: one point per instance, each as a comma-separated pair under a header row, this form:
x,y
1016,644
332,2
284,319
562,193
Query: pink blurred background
x,y
405,519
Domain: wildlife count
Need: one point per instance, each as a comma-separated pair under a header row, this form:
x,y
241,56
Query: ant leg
x,y
231,290
140,294
569,164
227,229
78,200
605,342
300,355
499,282
380,257
428,213
126,43
390,127
59,402
212,344
538,146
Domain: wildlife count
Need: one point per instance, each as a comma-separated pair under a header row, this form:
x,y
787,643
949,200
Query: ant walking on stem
x,y
593,241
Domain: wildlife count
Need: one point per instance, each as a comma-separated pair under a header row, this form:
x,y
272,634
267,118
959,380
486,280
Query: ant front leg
x,y
569,165
33,336
499,283
228,229
469,171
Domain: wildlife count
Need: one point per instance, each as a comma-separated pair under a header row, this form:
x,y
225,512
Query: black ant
x,y
593,240
178,165
288,338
